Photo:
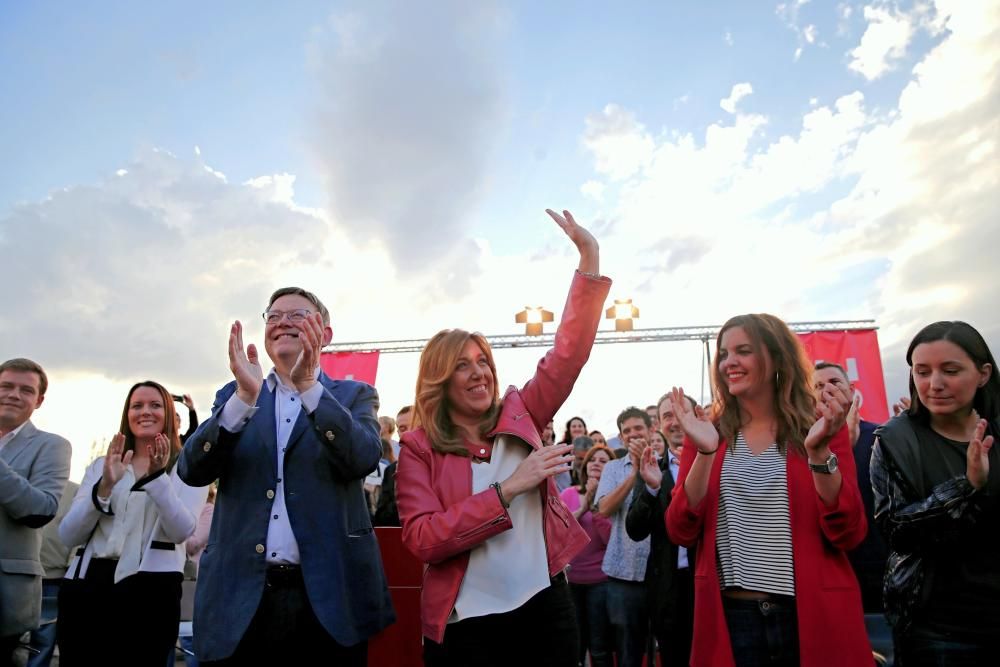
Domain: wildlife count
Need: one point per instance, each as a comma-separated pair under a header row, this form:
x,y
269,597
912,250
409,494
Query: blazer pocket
x,y
361,532
21,566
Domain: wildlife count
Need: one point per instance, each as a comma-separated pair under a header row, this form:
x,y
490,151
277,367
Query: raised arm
x,y
558,370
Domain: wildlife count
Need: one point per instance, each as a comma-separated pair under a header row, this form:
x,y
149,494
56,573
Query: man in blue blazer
x,y
292,568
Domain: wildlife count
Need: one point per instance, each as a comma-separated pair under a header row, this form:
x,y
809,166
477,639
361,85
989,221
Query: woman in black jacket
x,y
936,478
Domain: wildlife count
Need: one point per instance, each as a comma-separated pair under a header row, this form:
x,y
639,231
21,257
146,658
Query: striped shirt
x,y
754,532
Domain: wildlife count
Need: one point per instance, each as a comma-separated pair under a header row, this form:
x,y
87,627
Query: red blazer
x,y
442,521
831,620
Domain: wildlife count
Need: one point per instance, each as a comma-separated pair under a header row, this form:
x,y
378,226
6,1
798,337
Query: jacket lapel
x,y
303,422
19,443
264,420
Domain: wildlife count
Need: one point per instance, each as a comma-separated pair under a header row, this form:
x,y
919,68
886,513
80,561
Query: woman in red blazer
x,y
476,495
768,491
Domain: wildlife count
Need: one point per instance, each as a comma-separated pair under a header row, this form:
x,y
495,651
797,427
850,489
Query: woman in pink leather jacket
x,y
476,495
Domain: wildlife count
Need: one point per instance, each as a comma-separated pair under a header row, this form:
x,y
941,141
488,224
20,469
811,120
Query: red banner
x,y
858,353
360,366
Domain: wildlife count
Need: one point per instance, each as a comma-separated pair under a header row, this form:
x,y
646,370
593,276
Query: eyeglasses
x,y
294,316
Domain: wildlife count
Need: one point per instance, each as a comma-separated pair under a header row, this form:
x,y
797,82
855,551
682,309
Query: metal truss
x,y
700,333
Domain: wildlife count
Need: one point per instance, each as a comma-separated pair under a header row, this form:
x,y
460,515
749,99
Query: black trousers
x,y
542,631
8,645
129,624
673,633
285,630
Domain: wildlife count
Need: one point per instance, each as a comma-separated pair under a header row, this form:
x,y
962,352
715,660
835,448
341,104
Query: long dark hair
x,y
964,335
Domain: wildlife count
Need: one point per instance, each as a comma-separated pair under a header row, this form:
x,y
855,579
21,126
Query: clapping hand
x,y
245,366
159,454
977,456
311,331
584,241
697,427
649,469
115,464
900,406
540,465
831,419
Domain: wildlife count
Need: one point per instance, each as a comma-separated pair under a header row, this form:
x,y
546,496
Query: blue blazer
x,y
328,456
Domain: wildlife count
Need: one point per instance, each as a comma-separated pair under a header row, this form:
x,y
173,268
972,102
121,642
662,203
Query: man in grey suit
x,y
34,467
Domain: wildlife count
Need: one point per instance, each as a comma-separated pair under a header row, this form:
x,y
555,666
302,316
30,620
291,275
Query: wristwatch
x,y
827,468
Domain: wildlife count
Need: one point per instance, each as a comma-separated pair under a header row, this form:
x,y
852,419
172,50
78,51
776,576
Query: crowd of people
x,y
756,530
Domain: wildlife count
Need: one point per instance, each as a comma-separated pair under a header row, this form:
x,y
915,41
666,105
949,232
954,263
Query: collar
x,y
11,434
273,380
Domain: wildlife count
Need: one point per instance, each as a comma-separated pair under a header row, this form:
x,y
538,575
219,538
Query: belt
x,y
283,575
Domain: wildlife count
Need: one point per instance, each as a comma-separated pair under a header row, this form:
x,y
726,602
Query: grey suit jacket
x,y
34,467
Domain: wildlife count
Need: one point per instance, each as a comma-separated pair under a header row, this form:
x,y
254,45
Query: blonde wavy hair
x,y
794,402
431,410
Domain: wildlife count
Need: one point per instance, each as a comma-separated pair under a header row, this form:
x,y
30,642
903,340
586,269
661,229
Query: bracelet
x,y
503,501
595,276
709,453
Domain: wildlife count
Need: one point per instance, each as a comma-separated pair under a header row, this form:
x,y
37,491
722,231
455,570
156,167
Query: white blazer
x,y
176,507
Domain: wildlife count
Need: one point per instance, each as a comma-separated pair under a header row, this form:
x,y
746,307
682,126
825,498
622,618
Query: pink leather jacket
x,y
441,518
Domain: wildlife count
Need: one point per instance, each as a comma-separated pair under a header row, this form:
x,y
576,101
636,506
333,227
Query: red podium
x,y
400,644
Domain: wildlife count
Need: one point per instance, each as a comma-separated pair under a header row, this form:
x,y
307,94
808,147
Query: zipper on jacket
x,y
479,529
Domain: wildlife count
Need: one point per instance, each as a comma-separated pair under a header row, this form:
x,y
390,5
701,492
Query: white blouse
x,y
508,569
146,529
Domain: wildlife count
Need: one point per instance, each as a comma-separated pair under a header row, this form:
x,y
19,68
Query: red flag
x,y
858,353
360,366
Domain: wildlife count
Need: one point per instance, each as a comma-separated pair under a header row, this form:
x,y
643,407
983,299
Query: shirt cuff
x,y
235,414
310,397
652,491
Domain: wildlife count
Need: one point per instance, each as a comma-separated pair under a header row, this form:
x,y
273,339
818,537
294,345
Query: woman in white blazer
x,y
129,521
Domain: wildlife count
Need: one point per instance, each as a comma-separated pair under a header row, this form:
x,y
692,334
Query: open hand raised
x,y
245,365
696,427
977,456
303,373
584,241
649,469
116,461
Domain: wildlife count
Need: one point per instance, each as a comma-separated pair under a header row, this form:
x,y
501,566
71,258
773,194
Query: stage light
x,y
623,312
533,318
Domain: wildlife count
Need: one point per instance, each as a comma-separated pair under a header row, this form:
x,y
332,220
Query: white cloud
x,y
412,101
728,38
593,189
859,213
621,146
884,42
739,91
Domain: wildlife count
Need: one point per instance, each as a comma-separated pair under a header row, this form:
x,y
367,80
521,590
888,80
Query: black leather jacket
x,y
917,522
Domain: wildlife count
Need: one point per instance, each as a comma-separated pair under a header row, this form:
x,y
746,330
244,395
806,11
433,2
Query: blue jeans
x,y
43,639
920,647
629,619
763,633
591,602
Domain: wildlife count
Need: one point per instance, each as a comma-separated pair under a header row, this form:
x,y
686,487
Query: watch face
x,y
831,463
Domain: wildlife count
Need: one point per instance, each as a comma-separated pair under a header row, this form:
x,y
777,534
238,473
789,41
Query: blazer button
x,y
270,494
330,435
260,548
207,447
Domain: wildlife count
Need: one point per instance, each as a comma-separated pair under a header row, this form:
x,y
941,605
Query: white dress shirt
x,y
282,547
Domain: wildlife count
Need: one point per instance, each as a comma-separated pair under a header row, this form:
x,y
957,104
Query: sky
x,y
165,167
